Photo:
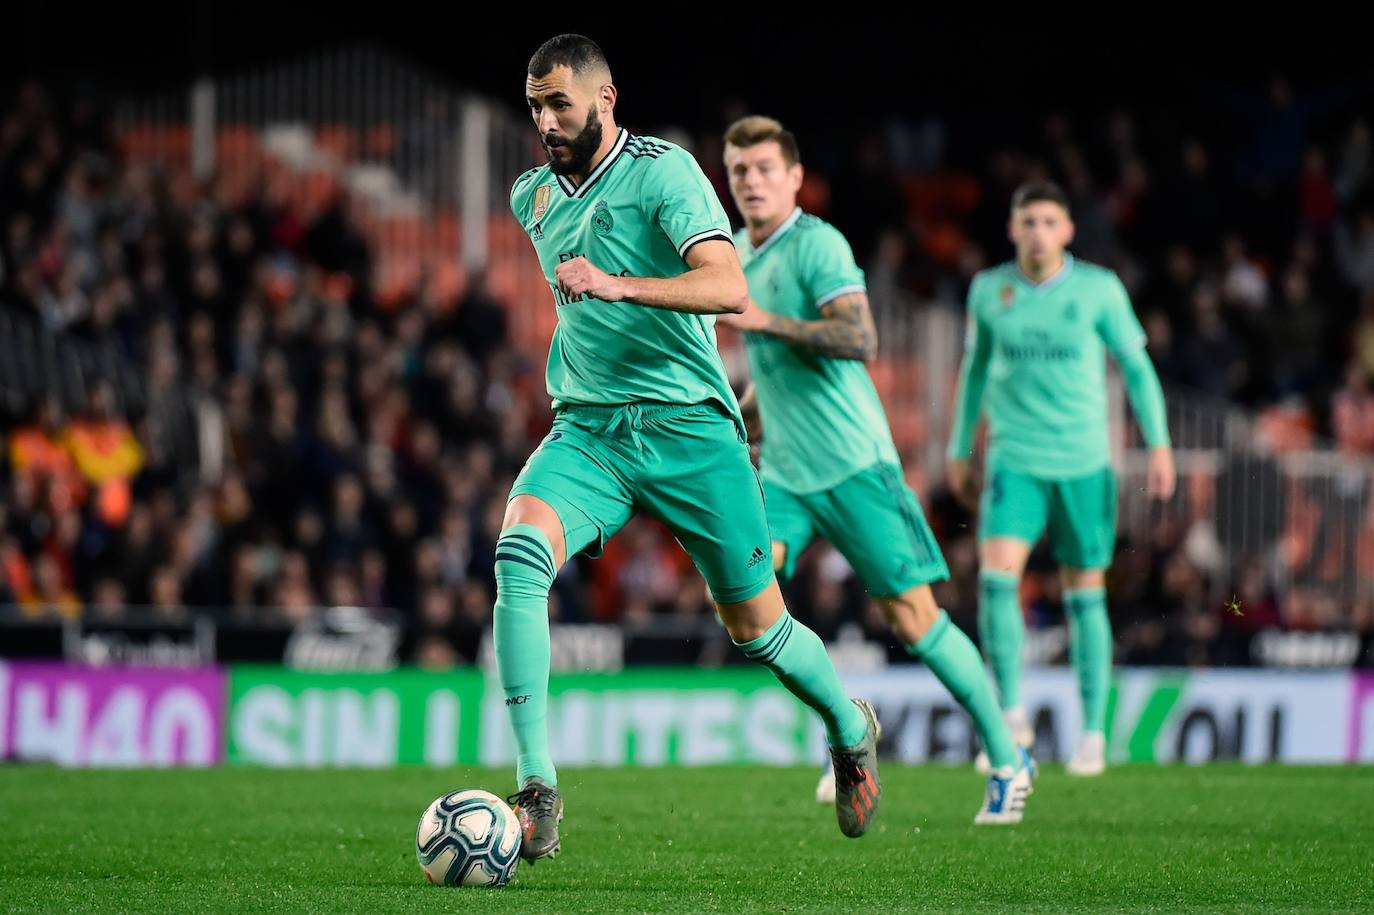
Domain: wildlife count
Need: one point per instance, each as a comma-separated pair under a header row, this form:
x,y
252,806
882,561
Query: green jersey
x,y
822,419
637,214
1041,349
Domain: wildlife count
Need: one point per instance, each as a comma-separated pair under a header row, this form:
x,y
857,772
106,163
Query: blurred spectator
x,y
166,593
1352,412
1243,284
1354,249
108,455
49,594
108,602
38,454
436,653
1355,161
1297,333
1211,359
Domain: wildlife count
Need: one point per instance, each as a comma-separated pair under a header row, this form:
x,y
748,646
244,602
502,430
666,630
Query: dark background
x,y
811,66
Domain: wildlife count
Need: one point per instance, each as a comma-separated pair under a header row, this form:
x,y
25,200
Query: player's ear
x,y
607,98
798,175
1069,230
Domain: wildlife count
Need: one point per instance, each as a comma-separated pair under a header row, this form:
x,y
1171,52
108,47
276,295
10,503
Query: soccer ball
x,y
468,838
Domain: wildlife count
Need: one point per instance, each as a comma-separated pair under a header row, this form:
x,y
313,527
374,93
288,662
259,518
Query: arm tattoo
x,y
845,332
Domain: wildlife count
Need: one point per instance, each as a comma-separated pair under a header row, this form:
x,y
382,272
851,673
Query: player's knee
x,y
524,563
913,614
1004,554
993,581
1082,579
525,510
743,622
748,619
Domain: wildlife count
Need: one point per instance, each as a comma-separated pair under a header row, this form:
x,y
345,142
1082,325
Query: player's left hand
x,y
752,319
1160,477
580,277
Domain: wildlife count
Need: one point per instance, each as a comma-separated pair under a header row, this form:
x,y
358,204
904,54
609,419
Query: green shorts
x,y
872,518
1080,514
687,466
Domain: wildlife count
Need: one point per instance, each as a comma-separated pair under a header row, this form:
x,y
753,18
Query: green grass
x,y
1221,839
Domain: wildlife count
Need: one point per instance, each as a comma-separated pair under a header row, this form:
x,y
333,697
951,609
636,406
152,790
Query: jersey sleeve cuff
x,y
843,290
1132,346
708,235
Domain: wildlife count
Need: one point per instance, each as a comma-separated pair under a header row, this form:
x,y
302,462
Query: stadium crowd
x,y
366,443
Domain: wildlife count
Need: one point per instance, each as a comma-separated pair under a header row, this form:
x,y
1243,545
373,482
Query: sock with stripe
x,y
520,632
797,657
954,660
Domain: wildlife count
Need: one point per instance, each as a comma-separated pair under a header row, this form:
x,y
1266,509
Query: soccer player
x,y
829,466
1037,328
638,255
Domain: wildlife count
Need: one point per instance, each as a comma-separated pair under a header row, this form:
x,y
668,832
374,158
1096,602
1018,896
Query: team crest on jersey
x,y
1008,295
602,223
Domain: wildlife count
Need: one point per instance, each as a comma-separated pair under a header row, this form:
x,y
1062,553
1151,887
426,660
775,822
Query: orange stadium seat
x,y
237,145
445,229
315,191
157,142
401,235
339,140
379,141
393,282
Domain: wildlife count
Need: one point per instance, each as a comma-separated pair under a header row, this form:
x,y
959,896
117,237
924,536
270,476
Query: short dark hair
x,y
1039,191
576,51
755,129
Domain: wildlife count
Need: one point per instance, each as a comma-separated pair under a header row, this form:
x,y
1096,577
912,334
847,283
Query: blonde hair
x,y
756,129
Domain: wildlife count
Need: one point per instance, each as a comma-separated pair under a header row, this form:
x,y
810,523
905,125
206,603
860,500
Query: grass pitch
x,y
735,839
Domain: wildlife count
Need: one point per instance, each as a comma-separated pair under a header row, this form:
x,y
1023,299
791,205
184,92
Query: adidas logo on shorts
x,y
757,557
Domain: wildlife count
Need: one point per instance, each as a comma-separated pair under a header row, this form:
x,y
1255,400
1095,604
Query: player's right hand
x,y
752,320
580,277
959,475
1161,477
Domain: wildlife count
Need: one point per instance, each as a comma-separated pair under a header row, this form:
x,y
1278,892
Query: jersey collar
x,y
779,232
1049,282
580,190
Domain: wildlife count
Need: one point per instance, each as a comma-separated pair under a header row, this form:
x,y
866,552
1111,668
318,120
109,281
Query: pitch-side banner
x,y
1154,716
684,716
268,715
111,716
671,716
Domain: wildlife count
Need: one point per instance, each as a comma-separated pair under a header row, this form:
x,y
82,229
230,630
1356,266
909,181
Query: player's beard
x,y
582,147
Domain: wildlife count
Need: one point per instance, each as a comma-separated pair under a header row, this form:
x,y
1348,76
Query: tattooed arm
x,y
845,331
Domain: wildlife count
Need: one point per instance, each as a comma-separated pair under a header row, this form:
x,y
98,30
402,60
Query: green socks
x,y
797,658
1002,630
1090,652
520,631
955,662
